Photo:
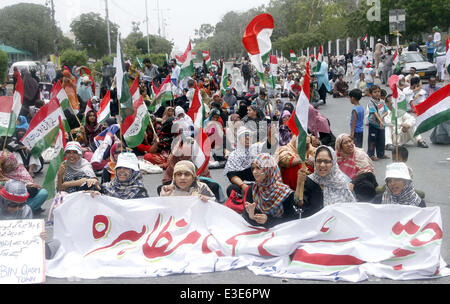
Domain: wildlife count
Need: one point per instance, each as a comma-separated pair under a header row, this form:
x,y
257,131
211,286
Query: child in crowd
x,y
377,112
357,118
361,84
369,75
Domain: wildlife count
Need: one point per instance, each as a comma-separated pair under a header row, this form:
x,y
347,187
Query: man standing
x,y
436,36
378,52
359,62
388,62
151,70
175,72
247,73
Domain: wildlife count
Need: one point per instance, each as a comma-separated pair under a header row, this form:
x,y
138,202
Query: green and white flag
x,y
123,90
186,62
207,58
50,178
224,81
399,103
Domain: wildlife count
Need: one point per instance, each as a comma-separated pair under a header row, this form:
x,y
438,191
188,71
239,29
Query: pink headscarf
x,y
317,122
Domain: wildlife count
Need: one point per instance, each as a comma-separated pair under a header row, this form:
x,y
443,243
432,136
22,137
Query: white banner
x,y
108,237
22,257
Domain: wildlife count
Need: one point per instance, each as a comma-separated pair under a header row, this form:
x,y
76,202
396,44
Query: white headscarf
x,y
334,184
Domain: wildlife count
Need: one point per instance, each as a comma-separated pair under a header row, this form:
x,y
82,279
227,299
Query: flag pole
x,y
154,132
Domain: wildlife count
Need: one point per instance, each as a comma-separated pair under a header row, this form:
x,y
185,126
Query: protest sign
x,y
158,236
22,252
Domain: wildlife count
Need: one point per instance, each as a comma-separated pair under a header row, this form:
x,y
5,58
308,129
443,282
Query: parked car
x,y
20,65
423,68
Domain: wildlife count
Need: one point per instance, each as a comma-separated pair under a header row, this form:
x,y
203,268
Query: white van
x,y
22,65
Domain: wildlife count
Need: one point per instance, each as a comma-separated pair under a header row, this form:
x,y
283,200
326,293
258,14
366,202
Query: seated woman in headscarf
x,y
75,173
326,186
127,182
233,125
319,126
214,129
183,123
13,197
284,131
238,167
357,165
268,201
400,187
242,109
90,130
109,171
290,162
159,144
11,169
251,94
186,183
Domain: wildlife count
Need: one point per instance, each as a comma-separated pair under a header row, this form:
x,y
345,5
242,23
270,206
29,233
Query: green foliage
x,y
3,65
28,27
157,59
91,33
73,57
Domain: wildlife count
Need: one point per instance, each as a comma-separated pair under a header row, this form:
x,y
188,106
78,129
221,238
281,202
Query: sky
x,y
181,17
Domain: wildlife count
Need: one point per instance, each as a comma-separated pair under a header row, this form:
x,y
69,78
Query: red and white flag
x,y
10,107
104,112
365,38
319,56
298,123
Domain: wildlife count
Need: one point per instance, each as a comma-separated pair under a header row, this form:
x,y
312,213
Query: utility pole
x,y
55,47
159,20
107,27
146,20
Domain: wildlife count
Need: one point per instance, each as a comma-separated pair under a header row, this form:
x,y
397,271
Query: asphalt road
x,y
431,169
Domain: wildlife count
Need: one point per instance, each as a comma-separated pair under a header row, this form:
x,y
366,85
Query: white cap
x,y
128,160
397,170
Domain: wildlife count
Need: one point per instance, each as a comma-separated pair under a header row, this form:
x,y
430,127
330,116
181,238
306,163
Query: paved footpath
x,y
431,174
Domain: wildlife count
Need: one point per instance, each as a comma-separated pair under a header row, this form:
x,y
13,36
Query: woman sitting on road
x,y
127,182
268,201
185,183
75,173
400,187
326,186
357,165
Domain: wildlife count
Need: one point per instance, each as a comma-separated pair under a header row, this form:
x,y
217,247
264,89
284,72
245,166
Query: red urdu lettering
x,y
437,235
233,240
325,229
99,219
262,251
410,228
151,251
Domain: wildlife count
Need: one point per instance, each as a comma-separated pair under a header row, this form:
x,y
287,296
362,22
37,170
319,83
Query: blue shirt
x,y
430,47
359,127
376,107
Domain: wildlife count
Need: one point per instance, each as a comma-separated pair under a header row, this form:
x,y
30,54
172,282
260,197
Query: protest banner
x,y
158,236
22,252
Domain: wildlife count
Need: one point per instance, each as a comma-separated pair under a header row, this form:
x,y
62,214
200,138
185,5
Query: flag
x,y
55,163
186,62
447,55
60,95
298,123
207,58
140,62
134,126
134,90
365,38
10,107
88,108
399,103
319,59
273,70
163,94
123,90
292,56
201,147
433,111
44,128
257,42
224,81
105,111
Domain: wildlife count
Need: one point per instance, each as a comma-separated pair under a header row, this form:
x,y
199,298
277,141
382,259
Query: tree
x,y
91,34
74,57
28,27
3,65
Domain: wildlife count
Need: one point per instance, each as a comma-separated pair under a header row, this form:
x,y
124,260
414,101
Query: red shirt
x,y
296,89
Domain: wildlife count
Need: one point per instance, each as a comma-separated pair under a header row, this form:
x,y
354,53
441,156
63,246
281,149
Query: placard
x,y
22,252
